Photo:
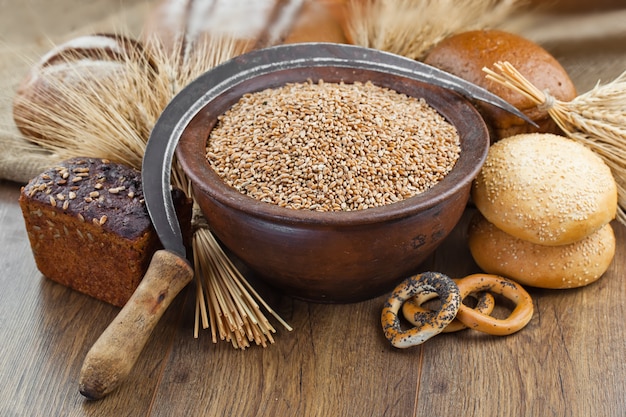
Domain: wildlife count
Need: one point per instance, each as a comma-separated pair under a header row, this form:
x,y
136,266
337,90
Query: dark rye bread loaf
x,y
89,228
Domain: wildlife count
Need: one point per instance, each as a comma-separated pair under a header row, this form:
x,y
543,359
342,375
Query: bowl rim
x,y
191,148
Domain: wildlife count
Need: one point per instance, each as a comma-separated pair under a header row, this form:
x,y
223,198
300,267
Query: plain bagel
x,y
545,188
558,267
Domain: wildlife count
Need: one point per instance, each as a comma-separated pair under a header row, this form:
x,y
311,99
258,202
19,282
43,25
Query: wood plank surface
x,y
569,360
566,362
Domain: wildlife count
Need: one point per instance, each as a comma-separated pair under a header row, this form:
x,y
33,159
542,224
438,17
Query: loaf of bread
x,y
567,266
89,228
546,189
251,24
466,54
87,64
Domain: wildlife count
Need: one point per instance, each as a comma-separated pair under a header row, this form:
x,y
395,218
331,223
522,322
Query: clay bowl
x,y
332,256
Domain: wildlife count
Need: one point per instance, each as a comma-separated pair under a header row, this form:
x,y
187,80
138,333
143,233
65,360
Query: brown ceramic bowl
x,y
332,256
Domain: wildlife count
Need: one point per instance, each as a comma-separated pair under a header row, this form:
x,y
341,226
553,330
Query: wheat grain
x,y
331,147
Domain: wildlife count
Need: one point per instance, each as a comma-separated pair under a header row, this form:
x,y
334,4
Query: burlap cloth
x,y
588,40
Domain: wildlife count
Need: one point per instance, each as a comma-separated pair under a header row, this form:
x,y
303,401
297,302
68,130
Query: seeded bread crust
x,y
567,266
89,228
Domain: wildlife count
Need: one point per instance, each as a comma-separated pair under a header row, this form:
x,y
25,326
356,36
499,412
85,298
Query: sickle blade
x,y
155,173
157,161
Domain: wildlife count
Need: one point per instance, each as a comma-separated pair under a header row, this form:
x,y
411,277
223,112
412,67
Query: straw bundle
x,y
596,118
225,301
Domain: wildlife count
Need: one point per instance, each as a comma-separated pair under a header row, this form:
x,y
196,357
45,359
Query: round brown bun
x,y
567,266
81,64
467,53
545,188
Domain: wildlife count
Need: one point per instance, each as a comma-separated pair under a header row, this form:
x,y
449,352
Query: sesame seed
x,y
116,190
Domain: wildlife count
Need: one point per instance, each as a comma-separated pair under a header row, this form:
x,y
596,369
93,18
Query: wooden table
x,y
569,360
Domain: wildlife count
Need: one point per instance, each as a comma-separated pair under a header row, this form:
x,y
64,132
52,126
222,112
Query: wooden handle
x,y
114,354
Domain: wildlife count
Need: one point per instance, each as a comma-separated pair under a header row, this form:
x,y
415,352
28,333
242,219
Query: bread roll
x,y
467,53
544,188
567,266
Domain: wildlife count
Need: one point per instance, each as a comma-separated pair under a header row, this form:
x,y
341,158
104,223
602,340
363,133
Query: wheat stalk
x,y
596,118
411,27
112,117
109,117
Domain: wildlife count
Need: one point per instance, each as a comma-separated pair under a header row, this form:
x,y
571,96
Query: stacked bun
x,y
545,204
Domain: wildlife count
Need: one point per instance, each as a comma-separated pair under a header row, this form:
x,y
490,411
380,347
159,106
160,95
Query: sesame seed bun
x,y
467,53
566,266
546,189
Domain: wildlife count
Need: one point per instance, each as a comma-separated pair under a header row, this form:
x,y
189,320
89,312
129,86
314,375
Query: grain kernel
x,y
313,143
